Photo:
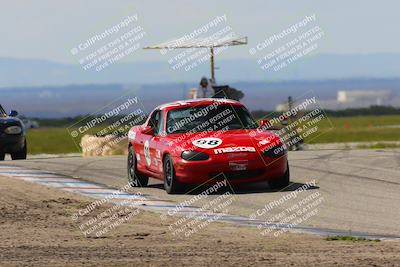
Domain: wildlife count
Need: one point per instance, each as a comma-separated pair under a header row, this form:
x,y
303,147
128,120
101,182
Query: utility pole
x,y
212,64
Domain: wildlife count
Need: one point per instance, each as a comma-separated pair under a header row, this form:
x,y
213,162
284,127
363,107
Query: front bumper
x,y
10,143
236,171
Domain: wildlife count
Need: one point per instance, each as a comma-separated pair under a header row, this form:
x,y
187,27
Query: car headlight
x,y
13,130
275,151
194,155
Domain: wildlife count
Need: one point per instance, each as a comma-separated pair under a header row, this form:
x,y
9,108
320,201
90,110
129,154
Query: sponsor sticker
x,y
234,149
238,165
208,142
131,135
147,152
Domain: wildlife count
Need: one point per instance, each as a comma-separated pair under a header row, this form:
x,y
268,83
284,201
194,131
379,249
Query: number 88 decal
x,y
208,142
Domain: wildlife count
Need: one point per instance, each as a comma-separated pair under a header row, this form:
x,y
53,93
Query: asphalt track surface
x,y
360,188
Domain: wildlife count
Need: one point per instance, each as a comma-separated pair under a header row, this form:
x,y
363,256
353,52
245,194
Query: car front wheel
x,y
21,154
171,183
135,178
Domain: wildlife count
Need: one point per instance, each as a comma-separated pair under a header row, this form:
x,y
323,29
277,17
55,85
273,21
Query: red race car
x,y
205,141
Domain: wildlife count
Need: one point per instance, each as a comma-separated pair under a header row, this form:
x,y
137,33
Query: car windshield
x,y
212,117
3,113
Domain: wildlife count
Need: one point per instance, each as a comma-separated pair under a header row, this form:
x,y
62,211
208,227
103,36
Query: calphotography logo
x,y
111,45
289,45
216,35
109,128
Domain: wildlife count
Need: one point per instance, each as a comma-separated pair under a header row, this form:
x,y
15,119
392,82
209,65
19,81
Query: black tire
x,y
171,184
21,154
135,178
282,182
2,155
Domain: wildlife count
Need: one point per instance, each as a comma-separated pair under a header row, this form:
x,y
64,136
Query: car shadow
x,y
253,188
242,189
265,188
156,186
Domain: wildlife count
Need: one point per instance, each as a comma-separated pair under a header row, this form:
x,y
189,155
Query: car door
x,y
145,142
141,144
155,143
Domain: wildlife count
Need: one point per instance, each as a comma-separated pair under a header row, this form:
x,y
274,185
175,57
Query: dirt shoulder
x,y
36,229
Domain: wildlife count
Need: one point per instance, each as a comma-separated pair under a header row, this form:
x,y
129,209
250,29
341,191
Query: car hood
x,y
10,121
208,141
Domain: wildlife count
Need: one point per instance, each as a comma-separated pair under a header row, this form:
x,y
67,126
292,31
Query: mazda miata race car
x,y
204,141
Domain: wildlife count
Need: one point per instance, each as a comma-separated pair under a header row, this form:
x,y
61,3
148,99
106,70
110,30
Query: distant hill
x,y
32,72
72,100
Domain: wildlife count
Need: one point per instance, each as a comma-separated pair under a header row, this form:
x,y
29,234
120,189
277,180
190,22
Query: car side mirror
x,y
147,130
13,113
264,123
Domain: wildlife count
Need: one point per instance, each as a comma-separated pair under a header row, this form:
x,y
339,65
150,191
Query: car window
x,y
203,117
160,123
154,121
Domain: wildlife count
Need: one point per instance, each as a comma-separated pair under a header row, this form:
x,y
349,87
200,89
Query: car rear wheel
x,y
171,184
2,155
21,154
135,178
281,182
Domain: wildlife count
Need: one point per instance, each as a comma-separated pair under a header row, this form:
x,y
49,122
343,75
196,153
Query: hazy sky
x,y
48,29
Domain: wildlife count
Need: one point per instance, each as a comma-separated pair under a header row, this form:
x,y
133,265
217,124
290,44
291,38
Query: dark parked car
x,y
12,135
